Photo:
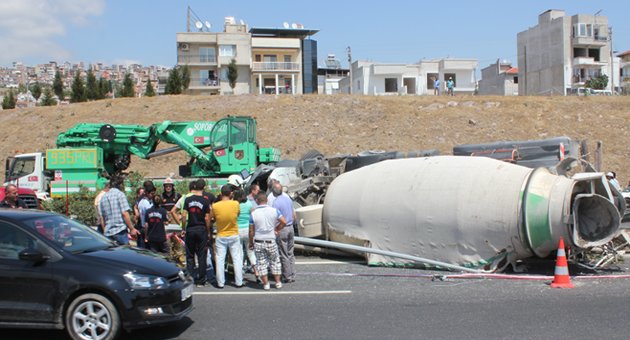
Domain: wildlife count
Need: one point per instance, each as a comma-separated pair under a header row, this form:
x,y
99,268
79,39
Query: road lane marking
x,y
329,262
276,292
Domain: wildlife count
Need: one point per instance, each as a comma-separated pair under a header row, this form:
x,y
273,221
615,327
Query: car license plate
x,y
187,292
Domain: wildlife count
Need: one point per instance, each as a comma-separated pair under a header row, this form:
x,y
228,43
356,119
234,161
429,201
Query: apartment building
x,y
500,78
561,53
371,78
268,60
624,71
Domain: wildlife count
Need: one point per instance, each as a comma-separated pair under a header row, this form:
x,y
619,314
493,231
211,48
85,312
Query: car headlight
x,y
140,281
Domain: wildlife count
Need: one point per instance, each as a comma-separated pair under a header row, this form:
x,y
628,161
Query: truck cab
x,y
29,171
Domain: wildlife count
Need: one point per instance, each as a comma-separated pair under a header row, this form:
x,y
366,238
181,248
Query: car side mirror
x,y
32,255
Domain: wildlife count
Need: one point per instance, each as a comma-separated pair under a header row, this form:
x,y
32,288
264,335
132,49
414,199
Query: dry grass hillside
x,y
348,124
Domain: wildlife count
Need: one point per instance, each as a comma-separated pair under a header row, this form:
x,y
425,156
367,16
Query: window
x,y
583,30
391,85
12,241
515,79
21,167
207,55
227,50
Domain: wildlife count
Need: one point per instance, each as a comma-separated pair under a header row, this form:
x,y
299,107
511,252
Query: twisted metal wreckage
x,y
462,213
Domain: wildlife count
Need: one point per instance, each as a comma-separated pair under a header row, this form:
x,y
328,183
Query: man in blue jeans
x,y
225,213
115,220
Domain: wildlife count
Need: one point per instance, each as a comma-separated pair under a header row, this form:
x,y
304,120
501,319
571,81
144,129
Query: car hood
x,y
132,259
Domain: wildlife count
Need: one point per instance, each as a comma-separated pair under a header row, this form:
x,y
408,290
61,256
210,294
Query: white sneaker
x,y
266,286
278,285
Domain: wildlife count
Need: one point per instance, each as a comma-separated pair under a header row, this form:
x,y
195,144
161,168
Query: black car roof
x,y
21,214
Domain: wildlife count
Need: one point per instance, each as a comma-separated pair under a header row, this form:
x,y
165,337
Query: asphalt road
x,y
340,300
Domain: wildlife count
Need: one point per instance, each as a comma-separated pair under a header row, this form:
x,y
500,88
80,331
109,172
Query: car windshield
x,y
68,234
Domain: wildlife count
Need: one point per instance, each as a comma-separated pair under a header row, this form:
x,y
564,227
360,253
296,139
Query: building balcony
x,y
275,67
196,59
204,84
587,61
590,41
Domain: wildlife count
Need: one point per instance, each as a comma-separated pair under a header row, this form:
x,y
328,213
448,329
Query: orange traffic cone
x,y
561,276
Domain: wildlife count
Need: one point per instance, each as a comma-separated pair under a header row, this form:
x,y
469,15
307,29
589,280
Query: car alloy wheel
x,y
92,316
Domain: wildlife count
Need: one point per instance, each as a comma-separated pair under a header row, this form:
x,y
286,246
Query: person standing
x,y
11,198
97,208
284,204
136,211
436,86
450,85
264,226
115,220
254,189
225,213
145,203
155,218
169,195
196,217
243,228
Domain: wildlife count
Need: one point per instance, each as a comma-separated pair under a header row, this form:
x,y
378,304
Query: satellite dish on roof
x,y
199,25
285,24
293,25
242,22
208,25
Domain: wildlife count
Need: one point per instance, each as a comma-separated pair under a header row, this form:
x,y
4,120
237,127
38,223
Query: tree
x,y
232,74
58,85
78,89
127,87
48,99
36,90
91,87
104,87
149,91
22,88
598,83
174,82
185,74
9,101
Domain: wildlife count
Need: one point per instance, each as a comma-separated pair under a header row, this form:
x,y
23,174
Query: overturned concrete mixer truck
x,y
471,212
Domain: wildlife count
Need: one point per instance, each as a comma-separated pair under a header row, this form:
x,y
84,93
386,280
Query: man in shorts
x,y
264,226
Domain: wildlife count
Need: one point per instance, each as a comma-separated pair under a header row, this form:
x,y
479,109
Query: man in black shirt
x,y
155,218
196,217
11,199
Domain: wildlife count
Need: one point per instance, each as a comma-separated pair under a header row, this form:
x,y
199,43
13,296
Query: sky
x,y
393,31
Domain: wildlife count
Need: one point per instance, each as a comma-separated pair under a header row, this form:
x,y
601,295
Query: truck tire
x,y
103,322
311,154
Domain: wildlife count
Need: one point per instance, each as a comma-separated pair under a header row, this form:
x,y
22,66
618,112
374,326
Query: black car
x,y
58,273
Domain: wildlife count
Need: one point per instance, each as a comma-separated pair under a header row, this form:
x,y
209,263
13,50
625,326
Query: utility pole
x,y
349,51
188,20
612,61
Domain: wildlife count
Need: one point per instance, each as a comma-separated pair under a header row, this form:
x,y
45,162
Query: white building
x,y
370,78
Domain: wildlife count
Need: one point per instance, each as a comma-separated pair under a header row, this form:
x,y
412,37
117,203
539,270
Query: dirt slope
x,y
347,124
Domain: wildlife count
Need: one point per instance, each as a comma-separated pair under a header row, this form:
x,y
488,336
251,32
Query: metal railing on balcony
x,y
275,66
196,59
204,82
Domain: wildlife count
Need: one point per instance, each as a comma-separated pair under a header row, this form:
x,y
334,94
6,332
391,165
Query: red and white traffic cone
x,y
561,275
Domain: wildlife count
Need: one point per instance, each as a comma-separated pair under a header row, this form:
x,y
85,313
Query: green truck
x,y
87,154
